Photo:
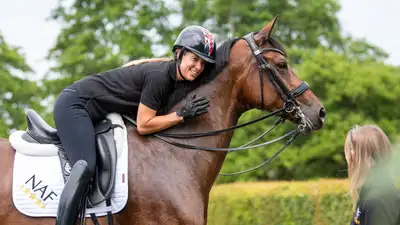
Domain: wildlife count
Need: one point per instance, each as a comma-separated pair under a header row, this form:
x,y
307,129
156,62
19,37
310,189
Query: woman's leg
x,y
76,131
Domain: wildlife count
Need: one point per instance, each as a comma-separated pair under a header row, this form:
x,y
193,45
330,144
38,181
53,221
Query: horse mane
x,y
210,73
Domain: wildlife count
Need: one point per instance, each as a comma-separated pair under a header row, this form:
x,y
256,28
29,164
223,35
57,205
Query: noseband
x,y
290,106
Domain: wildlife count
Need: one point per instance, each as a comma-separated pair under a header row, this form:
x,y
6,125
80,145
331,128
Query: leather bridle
x,y
263,66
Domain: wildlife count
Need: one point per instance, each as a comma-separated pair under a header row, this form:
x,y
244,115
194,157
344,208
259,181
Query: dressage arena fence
x,y
319,202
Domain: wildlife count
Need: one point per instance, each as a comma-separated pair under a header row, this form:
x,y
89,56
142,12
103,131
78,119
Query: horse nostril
x,y
322,113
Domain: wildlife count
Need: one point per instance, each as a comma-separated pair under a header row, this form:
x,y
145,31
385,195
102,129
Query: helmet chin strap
x,y
180,61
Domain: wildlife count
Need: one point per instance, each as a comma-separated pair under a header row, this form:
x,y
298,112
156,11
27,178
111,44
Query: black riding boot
x,y
73,193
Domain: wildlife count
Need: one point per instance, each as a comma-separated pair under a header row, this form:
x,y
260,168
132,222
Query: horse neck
x,y
223,113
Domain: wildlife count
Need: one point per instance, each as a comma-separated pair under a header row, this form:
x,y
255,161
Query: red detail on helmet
x,y
208,41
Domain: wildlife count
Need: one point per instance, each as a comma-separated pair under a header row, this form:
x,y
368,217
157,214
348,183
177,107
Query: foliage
x,y
101,35
319,202
16,92
302,24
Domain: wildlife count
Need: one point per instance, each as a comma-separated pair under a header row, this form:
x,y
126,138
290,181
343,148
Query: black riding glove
x,y
194,107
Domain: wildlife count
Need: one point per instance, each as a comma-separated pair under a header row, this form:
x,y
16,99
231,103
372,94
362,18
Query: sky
x,y
23,23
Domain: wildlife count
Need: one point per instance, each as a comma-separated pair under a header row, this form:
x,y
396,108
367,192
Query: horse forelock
x,y
276,44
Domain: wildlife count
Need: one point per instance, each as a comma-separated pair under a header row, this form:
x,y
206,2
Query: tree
x,y
101,35
16,92
301,25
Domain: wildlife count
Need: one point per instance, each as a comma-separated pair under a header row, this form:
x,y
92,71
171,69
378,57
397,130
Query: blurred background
x,y
346,50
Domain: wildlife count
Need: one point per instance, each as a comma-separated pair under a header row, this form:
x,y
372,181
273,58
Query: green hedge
x,y
323,202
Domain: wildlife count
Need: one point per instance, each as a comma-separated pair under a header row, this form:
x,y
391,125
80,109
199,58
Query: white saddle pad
x,y
38,181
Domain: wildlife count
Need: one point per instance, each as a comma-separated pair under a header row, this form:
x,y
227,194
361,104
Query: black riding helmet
x,y
198,40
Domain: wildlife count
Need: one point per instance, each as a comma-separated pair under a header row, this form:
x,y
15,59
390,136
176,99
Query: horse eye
x,y
282,66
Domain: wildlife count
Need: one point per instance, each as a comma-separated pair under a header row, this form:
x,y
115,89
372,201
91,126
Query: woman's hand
x,y
194,107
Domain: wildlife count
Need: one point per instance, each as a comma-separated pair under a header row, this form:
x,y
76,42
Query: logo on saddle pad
x,y
38,192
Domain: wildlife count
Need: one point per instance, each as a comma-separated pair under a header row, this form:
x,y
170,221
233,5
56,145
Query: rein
x,y
195,147
215,132
293,134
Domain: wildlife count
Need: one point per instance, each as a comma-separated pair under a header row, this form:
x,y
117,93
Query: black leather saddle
x,y
39,131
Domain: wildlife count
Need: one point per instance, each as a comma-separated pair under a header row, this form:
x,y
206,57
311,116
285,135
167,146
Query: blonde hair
x,y
141,61
364,146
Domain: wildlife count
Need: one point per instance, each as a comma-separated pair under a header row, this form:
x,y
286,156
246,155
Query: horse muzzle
x,y
310,119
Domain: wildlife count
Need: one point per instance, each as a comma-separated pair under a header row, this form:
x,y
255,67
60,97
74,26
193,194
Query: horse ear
x,y
265,33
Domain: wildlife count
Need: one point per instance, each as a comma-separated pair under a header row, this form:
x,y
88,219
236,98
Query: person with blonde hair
x,y
368,153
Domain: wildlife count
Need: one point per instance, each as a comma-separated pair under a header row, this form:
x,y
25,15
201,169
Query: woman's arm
x,y
148,122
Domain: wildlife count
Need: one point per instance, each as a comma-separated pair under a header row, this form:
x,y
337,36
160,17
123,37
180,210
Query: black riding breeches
x,y
75,128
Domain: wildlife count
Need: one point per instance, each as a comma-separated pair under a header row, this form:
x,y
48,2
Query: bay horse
x,y
170,184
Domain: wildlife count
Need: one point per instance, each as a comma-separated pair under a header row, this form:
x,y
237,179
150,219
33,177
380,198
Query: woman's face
x,y
191,66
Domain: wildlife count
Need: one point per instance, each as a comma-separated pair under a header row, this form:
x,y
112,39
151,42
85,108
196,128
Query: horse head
x,y
266,80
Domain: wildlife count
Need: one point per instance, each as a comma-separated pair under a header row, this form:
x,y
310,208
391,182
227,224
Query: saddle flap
x,y
107,160
104,180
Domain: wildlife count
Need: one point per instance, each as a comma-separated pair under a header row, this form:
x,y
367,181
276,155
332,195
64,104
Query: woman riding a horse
x,y
138,89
